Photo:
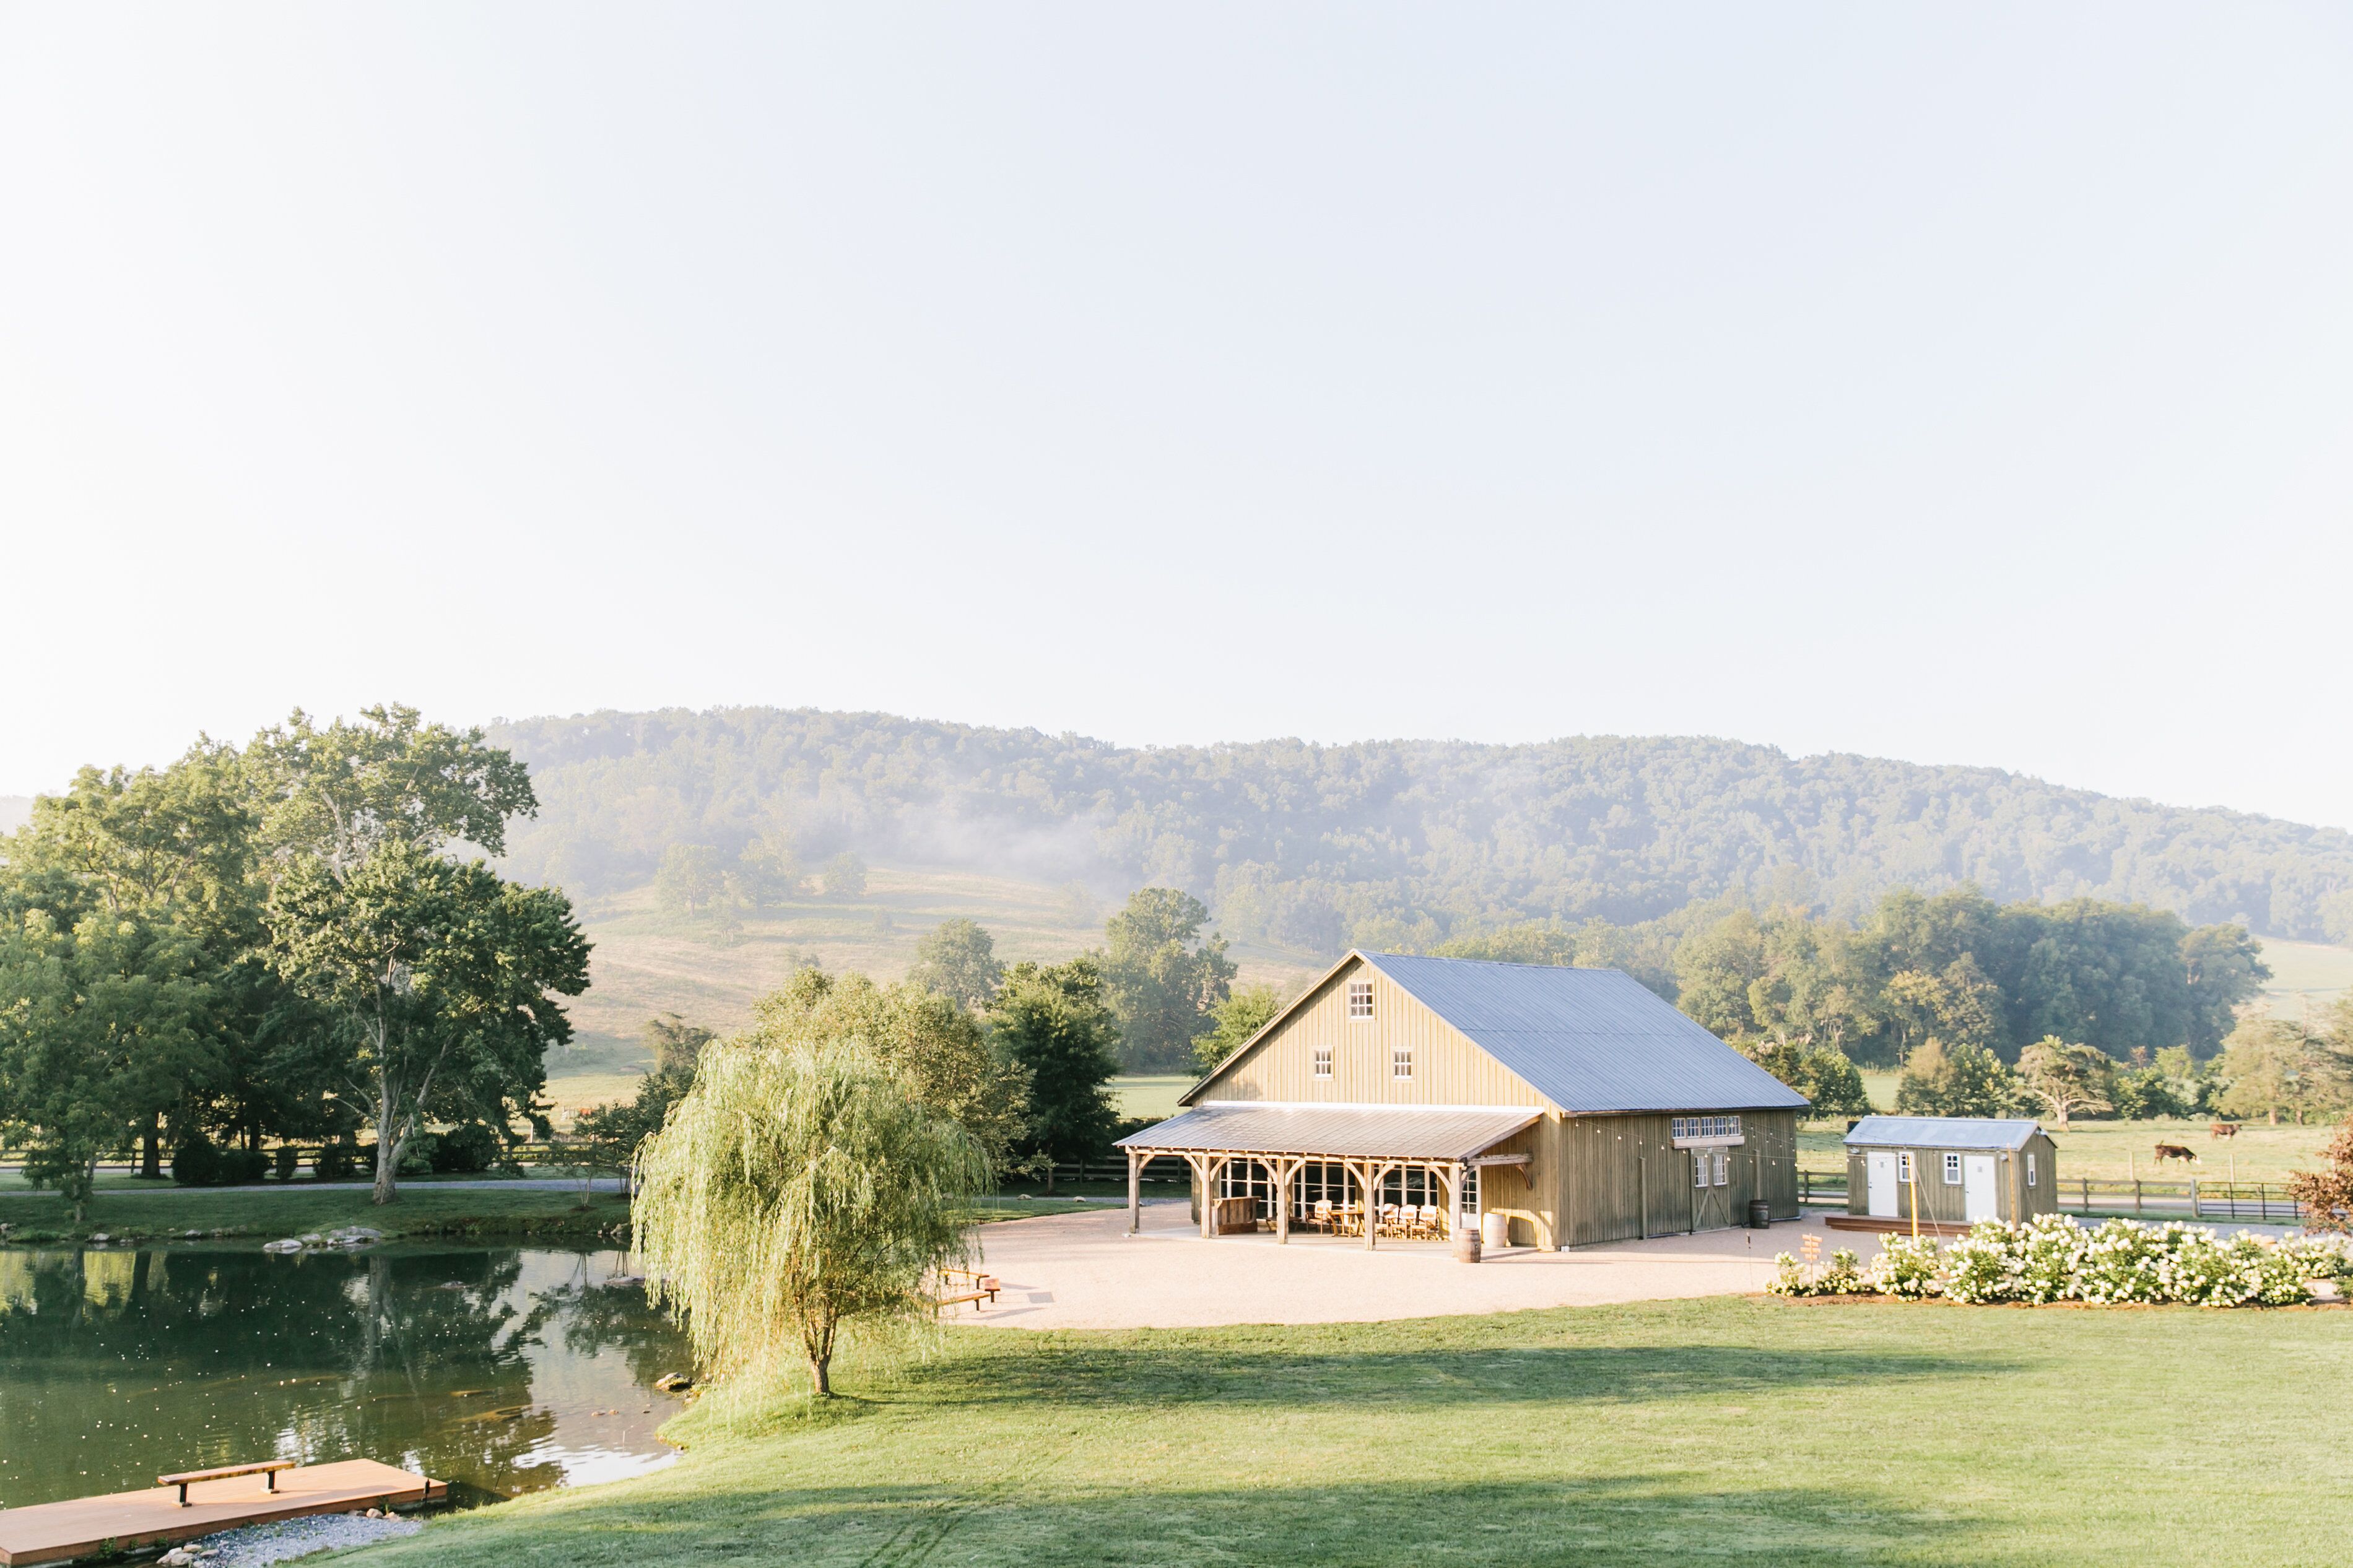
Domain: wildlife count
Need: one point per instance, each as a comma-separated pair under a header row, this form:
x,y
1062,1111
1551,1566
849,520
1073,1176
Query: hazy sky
x,y
1963,384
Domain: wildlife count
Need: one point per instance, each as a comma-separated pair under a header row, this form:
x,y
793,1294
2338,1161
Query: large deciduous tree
x,y
957,958
2066,1078
1052,1022
1233,1021
1959,1080
1163,976
799,1188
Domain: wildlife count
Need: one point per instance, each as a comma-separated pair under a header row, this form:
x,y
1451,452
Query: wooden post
x,y
1135,1194
1643,1195
2193,1198
1455,1202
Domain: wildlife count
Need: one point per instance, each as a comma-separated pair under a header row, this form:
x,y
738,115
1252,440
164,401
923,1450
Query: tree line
x,y
1393,845
296,942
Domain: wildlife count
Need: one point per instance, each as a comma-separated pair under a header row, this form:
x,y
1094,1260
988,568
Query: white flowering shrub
x,y
1841,1277
2053,1258
1906,1266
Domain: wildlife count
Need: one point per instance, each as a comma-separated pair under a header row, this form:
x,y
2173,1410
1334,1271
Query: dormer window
x,y
1360,999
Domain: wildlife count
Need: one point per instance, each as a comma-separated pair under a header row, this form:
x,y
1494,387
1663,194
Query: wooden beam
x,y
1135,1192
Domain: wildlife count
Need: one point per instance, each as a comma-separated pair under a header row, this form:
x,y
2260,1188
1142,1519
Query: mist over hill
x,y
1393,842
16,810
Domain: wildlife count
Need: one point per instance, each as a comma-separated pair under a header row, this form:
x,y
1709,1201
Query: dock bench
x,y
979,1287
267,1468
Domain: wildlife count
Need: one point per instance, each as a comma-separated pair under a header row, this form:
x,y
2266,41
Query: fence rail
x,y
2191,1199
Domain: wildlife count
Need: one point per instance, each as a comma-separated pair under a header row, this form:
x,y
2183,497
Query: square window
x,y
1360,998
1952,1170
1699,1167
1682,1122
1401,1061
1323,1061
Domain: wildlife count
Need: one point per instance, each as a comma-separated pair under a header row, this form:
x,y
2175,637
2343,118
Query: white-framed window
x,y
1401,1061
1723,1168
1323,1061
1360,999
2030,1170
1470,1189
1952,1170
1904,1167
1705,1127
1699,1167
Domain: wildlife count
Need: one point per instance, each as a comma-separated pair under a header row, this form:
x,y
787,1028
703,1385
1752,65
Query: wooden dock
x,y
1882,1226
82,1527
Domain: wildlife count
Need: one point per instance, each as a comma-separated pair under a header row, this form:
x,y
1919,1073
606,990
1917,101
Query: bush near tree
x,y
1959,1080
2326,1193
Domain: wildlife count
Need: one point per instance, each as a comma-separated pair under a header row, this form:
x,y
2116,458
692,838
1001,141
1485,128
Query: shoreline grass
x,y
1737,1428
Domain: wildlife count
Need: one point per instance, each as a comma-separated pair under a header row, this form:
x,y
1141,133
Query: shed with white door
x,y
1950,1170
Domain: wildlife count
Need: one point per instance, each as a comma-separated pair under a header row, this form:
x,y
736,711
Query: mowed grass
x,y
1723,1430
1150,1094
423,1209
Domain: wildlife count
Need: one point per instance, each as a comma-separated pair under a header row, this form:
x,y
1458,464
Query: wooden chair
x,y
1324,1214
1426,1221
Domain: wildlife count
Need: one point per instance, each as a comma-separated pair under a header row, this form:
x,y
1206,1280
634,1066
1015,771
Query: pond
x,y
499,1369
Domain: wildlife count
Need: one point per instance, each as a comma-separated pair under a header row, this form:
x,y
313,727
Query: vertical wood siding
x,y
1622,1172
2014,1199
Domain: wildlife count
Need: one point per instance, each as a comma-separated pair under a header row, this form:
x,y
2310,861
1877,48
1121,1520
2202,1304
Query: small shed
x,y
1957,1169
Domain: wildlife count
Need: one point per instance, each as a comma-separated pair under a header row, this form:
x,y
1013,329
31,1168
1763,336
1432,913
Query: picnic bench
x,y
267,1468
977,1288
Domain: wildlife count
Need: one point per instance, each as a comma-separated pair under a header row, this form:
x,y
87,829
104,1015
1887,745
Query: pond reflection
x,y
509,1369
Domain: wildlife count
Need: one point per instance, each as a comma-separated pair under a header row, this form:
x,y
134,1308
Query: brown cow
x,y
2174,1151
2225,1130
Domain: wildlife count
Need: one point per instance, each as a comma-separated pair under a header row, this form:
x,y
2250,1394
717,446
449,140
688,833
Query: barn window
x,y
1731,1127
1699,1167
1360,998
1952,1170
2030,1170
1723,1168
1323,1061
1401,1061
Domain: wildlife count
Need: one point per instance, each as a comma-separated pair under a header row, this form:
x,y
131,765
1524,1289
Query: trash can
x,y
1760,1215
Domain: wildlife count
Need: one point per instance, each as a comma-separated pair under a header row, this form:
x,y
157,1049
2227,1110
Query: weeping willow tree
x,y
797,1188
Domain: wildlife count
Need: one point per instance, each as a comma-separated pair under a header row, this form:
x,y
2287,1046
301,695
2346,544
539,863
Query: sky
x,y
1962,384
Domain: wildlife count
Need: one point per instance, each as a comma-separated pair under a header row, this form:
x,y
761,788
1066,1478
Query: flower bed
x,y
2053,1258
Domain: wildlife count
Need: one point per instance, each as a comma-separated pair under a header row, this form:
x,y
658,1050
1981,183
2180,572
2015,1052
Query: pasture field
x,y
1150,1094
2306,976
1730,1430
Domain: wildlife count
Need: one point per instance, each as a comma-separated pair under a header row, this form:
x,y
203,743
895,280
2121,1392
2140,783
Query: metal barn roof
x,y
1943,1132
1359,1132
1587,1040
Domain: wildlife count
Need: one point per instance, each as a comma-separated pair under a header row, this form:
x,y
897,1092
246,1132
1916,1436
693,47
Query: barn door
x,y
1879,1164
1710,1188
1978,1190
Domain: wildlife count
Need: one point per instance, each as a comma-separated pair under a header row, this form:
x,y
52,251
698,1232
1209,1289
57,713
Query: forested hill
x,y
1393,843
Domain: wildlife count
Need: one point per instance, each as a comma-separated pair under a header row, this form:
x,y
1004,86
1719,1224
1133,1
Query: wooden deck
x,y
1883,1226
55,1531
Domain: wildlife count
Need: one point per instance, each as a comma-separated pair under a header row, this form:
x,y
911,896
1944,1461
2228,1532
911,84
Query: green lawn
x,y
1154,1094
1724,1430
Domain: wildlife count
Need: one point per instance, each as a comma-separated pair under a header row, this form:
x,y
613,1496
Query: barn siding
x,y
1624,1171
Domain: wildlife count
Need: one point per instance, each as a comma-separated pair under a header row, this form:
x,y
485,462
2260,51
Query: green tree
x,y
2066,1078
1242,1013
1960,1080
1163,976
767,871
936,1045
1054,1023
1822,1073
337,794
798,1189
957,958
442,980
2223,969
607,1137
2326,1193
845,877
2271,1066
692,880
98,1026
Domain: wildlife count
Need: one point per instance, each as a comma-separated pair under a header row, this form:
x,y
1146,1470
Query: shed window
x,y
1952,1170
1323,1061
2030,1170
1401,1061
1904,1167
1360,998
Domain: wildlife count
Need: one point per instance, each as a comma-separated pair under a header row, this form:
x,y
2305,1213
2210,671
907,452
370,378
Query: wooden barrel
x,y
1466,1244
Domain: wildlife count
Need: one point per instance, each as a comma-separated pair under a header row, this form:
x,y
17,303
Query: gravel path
x,y
256,1544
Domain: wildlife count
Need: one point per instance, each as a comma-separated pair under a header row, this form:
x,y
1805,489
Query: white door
x,y
1882,1166
1977,1187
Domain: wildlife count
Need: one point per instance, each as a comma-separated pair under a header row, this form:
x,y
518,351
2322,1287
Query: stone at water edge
x,y
673,1382
289,1244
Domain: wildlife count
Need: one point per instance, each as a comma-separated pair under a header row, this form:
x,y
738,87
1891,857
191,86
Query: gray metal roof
x,y
1355,1132
1943,1132
1587,1040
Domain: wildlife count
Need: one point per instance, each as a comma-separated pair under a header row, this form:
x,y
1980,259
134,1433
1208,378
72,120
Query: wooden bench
x,y
267,1469
981,1287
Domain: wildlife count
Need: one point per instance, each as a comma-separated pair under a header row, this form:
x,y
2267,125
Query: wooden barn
x,y
1955,1170
1415,1096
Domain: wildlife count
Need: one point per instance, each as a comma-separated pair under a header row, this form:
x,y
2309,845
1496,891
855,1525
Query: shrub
x,y
1906,1266
463,1151
1840,1278
338,1160
198,1161
416,1160
2053,1258
285,1160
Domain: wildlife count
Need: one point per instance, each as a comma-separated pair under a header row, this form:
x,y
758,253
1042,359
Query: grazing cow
x,y
2225,1130
2174,1151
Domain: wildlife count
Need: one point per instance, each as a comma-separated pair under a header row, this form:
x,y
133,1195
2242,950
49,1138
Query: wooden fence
x,y
2189,1199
